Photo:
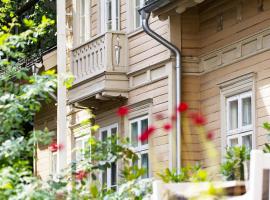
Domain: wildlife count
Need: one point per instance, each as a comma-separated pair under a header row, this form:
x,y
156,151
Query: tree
x,y
21,96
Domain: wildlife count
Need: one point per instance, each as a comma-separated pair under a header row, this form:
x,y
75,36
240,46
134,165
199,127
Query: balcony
x,y
100,67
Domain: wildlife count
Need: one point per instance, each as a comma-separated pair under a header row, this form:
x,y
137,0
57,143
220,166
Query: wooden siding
x,y
46,118
95,17
210,101
251,21
123,15
201,37
159,143
143,51
191,145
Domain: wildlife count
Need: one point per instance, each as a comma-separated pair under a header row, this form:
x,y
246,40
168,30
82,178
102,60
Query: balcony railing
x,y
100,54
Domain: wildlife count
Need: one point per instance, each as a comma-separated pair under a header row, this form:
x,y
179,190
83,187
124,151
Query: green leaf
x,y
266,125
94,190
28,22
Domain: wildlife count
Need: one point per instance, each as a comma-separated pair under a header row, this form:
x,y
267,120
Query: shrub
x,y
233,167
186,174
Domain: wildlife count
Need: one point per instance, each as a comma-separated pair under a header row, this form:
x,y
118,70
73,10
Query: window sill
x,y
135,32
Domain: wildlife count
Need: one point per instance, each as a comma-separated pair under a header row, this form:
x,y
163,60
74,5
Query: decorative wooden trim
x,y
140,109
243,81
96,56
235,52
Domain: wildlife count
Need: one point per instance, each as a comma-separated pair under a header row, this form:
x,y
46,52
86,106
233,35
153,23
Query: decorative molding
x,y
148,76
235,52
140,108
236,85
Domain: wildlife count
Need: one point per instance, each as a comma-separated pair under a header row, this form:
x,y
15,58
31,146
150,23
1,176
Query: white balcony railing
x,y
100,54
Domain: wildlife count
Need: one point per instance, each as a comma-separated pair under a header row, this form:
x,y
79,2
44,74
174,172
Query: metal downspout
x,y
145,23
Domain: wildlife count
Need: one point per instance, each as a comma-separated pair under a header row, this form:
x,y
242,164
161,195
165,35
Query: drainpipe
x,y
145,23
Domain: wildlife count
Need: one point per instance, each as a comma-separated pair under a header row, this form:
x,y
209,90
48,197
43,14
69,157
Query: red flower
x,y
182,107
146,134
210,135
122,111
198,119
53,147
159,116
80,175
167,127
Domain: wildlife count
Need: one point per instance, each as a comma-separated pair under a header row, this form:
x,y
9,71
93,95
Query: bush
x,y
233,167
186,174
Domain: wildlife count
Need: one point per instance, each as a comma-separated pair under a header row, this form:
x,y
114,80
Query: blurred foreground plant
x,y
186,174
234,166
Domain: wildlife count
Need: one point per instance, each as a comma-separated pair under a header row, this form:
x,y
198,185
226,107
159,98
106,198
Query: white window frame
x,y
84,139
241,131
80,38
229,88
140,149
132,15
109,170
115,26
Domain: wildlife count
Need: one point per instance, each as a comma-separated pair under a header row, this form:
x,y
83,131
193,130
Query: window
x,y
80,145
82,23
53,163
110,15
109,177
134,16
239,120
138,126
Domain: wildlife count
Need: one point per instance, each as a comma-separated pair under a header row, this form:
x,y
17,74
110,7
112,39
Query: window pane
x,y
114,131
233,142
104,135
109,14
104,177
117,14
144,126
135,163
247,141
233,115
114,175
82,7
137,15
134,134
86,147
145,164
114,134
82,20
246,111
78,146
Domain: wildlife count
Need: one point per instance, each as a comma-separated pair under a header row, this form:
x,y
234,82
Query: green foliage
x,y
69,79
132,172
266,148
186,174
138,189
21,97
266,126
98,157
233,167
15,19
